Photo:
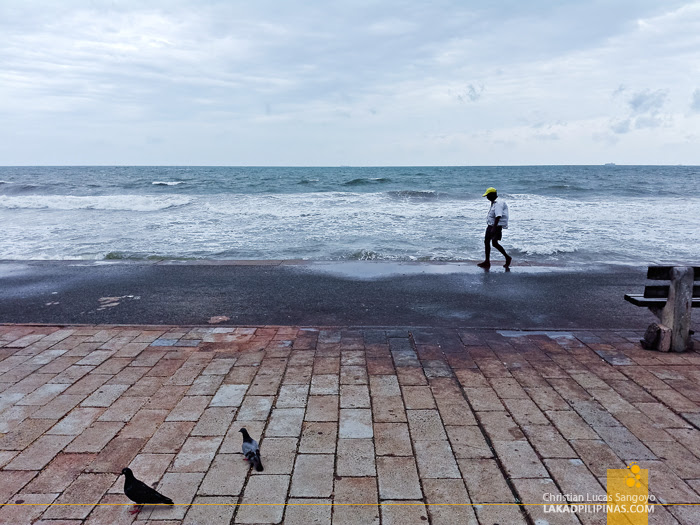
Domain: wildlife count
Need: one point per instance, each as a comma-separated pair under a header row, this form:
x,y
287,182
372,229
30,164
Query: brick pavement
x,y
368,419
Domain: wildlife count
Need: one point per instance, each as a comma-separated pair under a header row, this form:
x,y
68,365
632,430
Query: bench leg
x,y
676,313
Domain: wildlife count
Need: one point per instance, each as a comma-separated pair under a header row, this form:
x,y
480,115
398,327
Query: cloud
x,y
274,77
470,93
644,111
620,126
648,102
695,102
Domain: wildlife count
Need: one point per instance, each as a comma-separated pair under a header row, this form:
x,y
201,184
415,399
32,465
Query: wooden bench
x,y
671,303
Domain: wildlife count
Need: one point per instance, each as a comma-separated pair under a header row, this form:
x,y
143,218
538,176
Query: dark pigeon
x,y
251,450
140,493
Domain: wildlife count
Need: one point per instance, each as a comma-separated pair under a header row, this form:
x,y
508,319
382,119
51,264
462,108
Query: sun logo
x,y
633,476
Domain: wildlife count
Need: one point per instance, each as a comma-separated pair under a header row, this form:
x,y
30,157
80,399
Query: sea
x,y
559,215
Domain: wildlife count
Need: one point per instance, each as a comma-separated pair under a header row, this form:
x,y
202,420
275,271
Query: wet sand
x,y
362,293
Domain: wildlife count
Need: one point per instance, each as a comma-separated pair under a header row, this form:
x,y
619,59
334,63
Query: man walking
x,y
496,220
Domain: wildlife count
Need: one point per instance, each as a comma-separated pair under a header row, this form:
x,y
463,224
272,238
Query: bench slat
x,y
650,302
663,273
659,292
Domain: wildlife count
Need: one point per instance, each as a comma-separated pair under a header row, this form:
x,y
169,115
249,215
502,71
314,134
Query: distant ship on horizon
x,y
609,164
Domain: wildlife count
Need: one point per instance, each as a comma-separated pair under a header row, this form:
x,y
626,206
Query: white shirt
x,y
498,209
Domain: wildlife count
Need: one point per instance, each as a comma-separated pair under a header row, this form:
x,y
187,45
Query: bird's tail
x,y
258,463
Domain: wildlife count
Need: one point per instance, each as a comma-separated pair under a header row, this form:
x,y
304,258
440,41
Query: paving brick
x,y
625,444
446,500
455,411
573,477
144,423
384,385
355,423
104,396
285,422
181,488
225,476
88,488
402,512
190,408
60,473
412,376
519,459
116,454
677,458
398,478
533,491
597,456
255,408
313,475
214,421
196,454
318,437
392,439
324,384
169,437
570,424
205,385
304,511
207,509
40,453
76,422
353,375
12,482
146,386
483,399
123,409
259,490
485,482
388,409
24,434
277,455
322,408
548,442
355,457
58,406
468,442
500,426
354,396
425,425
547,398
95,437
111,509
33,506
435,459
43,394
361,492
229,395
292,396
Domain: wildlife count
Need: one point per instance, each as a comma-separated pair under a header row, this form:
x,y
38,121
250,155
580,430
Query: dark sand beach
x,y
362,293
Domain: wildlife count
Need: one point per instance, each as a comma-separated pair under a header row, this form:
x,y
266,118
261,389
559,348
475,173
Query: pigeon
x,y
251,450
140,493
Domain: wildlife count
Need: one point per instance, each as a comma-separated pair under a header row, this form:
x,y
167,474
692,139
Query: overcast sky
x,y
354,82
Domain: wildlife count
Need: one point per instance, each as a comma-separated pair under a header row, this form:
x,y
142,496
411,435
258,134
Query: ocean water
x,y
633,215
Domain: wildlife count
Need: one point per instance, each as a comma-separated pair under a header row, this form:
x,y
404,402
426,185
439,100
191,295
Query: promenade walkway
x,y
361,418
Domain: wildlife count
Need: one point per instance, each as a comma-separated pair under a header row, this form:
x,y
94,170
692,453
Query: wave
x,y
109,203
367,180
166,183
425,195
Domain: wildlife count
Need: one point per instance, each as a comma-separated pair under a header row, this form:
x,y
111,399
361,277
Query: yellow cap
x,y
489,190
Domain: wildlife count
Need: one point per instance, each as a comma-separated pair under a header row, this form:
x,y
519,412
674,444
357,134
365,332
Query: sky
x,y
349,82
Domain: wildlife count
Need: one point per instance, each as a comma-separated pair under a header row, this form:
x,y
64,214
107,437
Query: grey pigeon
x,y
251,450
140,493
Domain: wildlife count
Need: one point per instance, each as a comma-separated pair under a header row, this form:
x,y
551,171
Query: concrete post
x,y
676,313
